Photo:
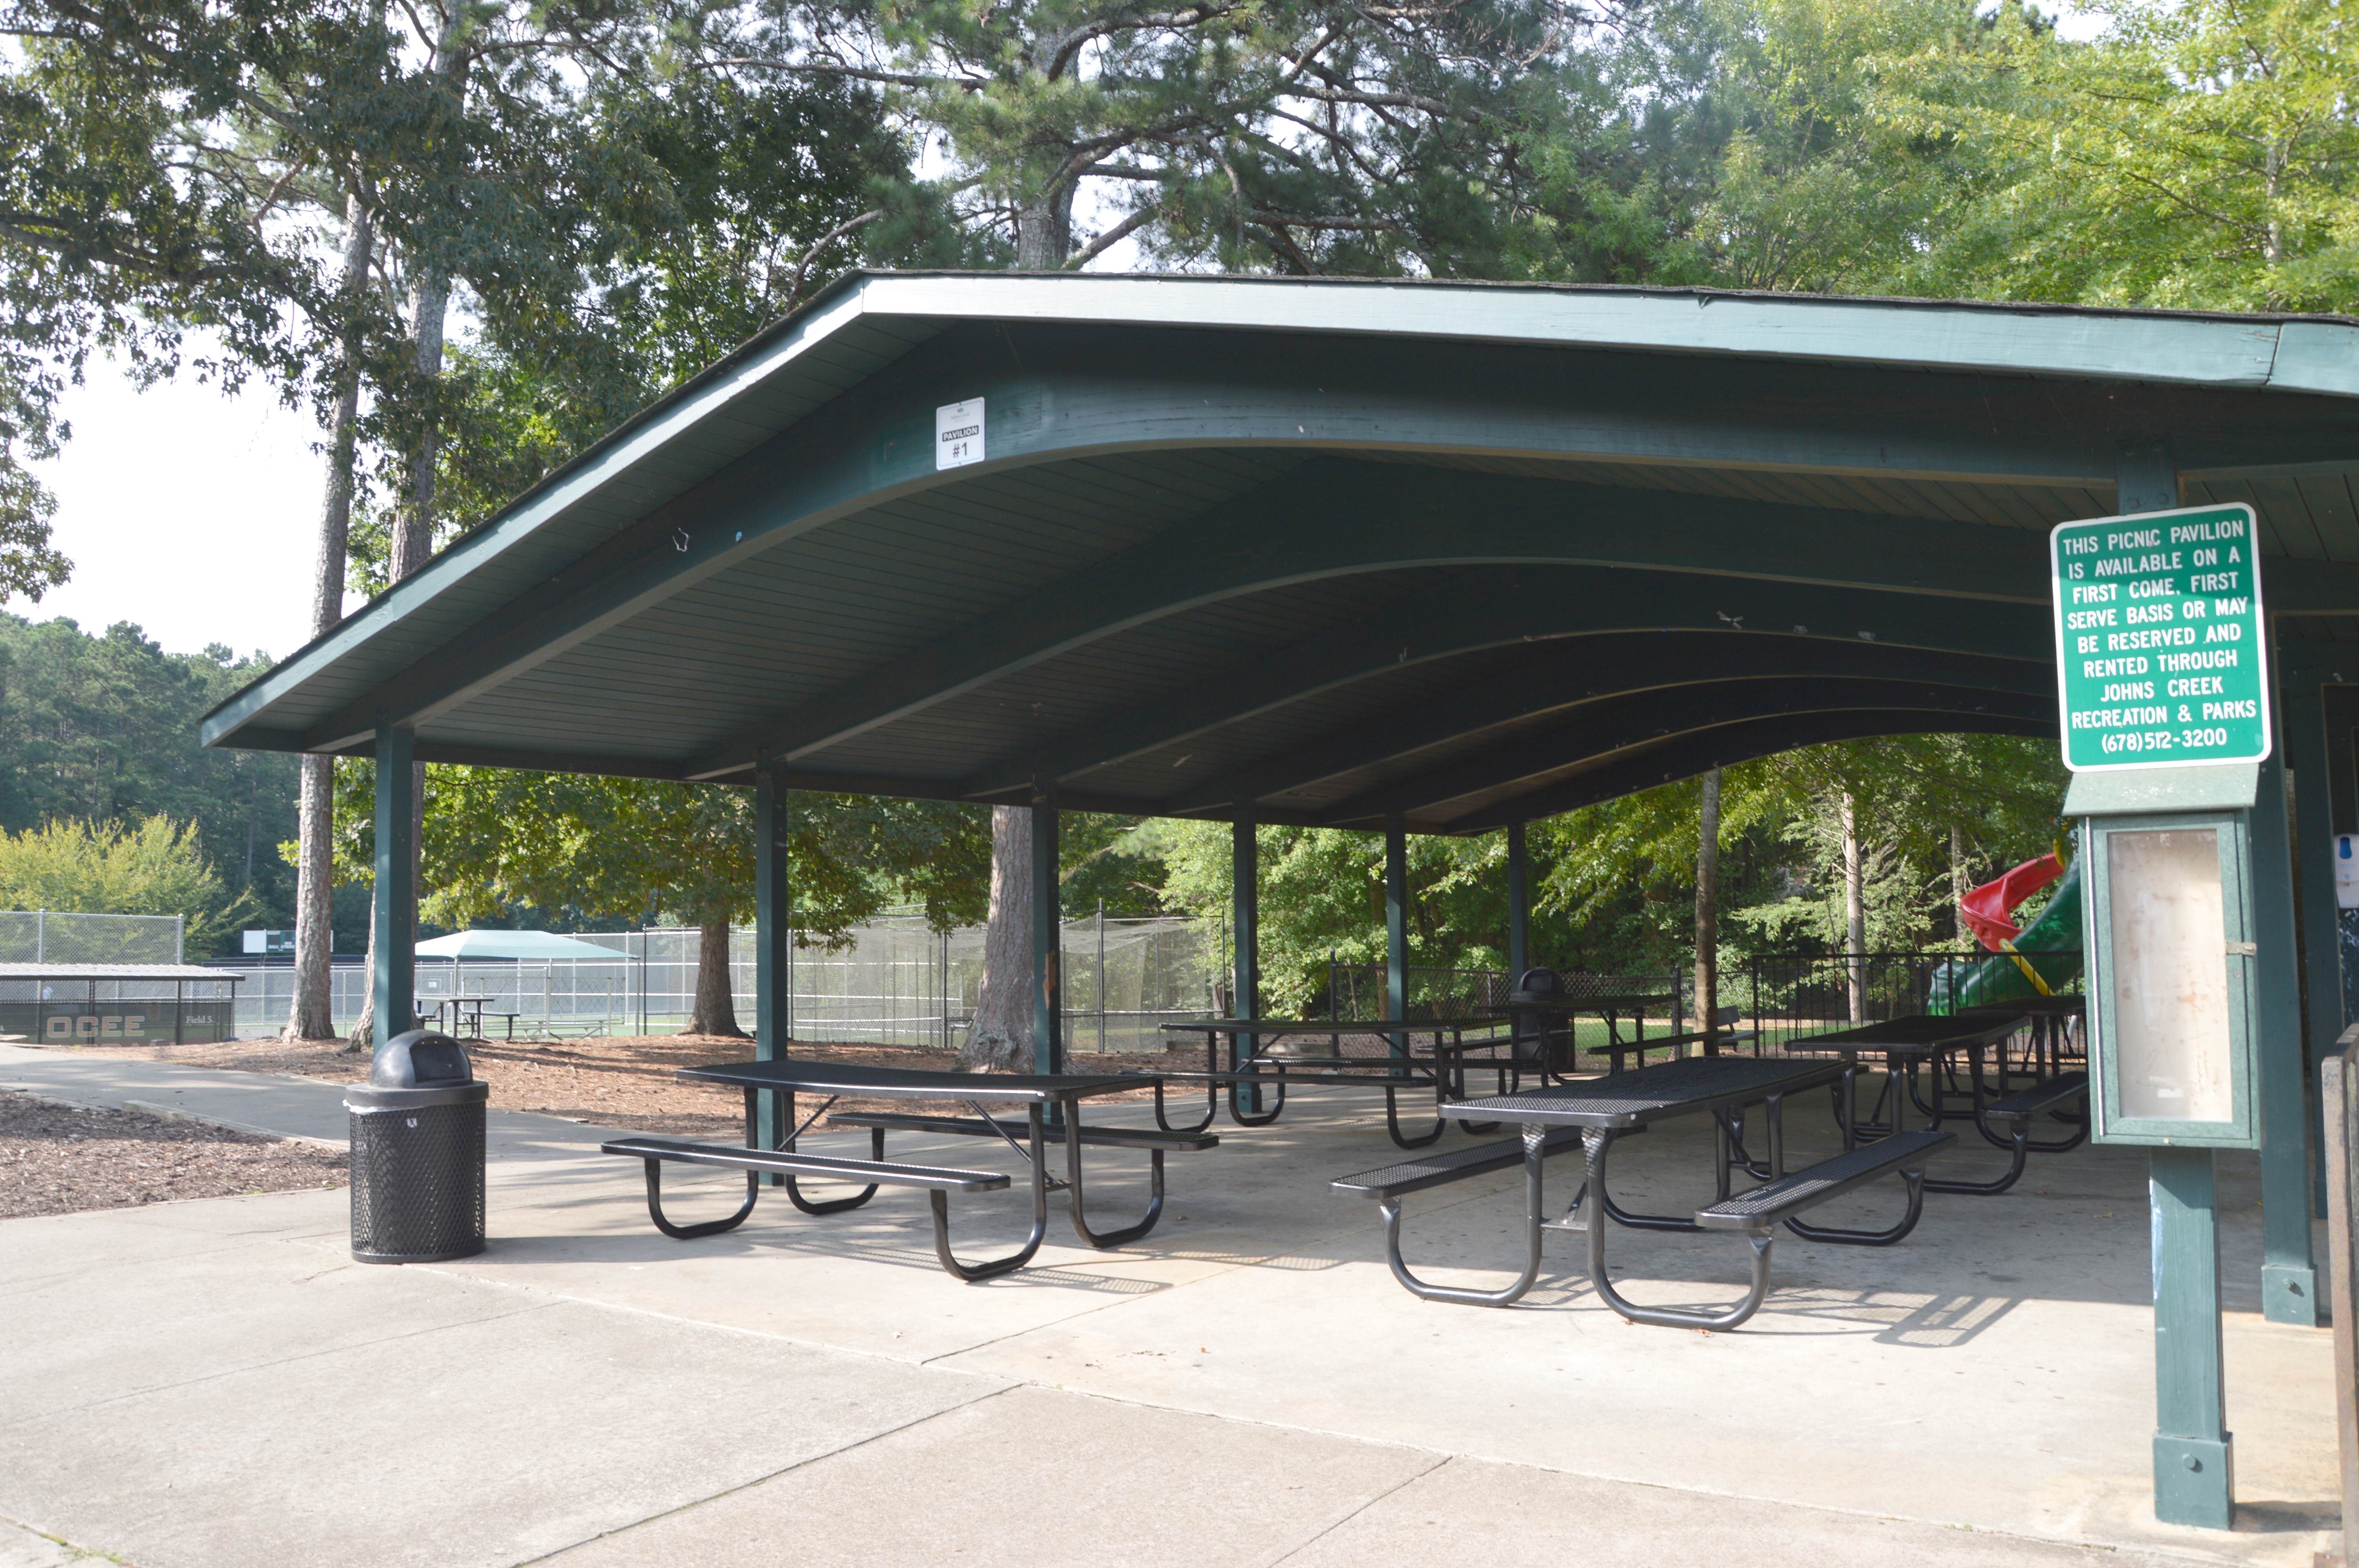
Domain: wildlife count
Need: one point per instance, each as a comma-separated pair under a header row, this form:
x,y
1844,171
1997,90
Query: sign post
x,y
2162,682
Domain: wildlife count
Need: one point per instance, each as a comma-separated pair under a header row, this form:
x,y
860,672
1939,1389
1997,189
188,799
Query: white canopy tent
x,y
528,946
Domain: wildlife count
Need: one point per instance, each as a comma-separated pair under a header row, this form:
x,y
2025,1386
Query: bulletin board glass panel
x,y
2170,978
2170,975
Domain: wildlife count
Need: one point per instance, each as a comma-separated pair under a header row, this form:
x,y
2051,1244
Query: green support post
x,y
2194,1482
2288,1273
773,1007
1396,926
2194,1453
2302,717
1244,966
1047,937
392,984
1519,905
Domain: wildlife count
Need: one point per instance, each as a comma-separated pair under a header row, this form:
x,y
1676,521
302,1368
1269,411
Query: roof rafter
x,y
1688,755
1640,719
1506,605
1589,671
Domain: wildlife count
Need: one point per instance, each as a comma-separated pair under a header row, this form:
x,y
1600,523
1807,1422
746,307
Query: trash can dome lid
x,y
1536,983
420,1059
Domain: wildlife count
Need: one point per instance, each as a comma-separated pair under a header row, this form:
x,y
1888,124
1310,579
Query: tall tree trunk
x,y
716,1001
1957,883
1855,908
311,1016
1707,914
1000,1040
363,1034
1044,233
413,545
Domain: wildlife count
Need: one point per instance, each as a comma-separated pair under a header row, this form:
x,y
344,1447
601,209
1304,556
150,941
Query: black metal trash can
x,y
418,1153
1543,1034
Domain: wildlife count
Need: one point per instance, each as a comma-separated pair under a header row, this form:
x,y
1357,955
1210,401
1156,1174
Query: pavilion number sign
x,y
2160,651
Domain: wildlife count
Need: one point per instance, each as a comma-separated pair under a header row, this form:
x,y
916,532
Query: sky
x,y
193,513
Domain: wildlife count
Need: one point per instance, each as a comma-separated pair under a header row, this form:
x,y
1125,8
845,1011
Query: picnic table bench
x,y
1441,1070
1929,1039
1038,1093
1601,1111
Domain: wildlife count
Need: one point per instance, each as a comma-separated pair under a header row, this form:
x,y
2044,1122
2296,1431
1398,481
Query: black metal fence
x,y
1357,991
1788,995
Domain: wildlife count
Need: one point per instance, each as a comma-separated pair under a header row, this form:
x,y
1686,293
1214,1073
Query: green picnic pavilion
x,y
1401,556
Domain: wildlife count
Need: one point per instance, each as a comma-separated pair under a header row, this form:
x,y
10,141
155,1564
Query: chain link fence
x,y
894,982
49,937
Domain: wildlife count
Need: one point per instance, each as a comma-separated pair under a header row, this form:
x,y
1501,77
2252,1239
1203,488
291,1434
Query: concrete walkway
x,y
216,1382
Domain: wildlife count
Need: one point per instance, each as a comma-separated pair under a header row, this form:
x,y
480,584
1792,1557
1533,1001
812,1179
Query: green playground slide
x,y
2050,944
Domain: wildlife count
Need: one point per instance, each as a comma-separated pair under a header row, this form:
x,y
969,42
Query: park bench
x,y
2017,1111
1075,1137
1390,1183
788,1164
1151,1137
1758,1211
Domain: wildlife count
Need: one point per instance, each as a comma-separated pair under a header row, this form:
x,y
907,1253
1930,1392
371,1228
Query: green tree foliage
x,y
1624,871
105,729
1817,184
1322,898
1471,138
155,868
741,189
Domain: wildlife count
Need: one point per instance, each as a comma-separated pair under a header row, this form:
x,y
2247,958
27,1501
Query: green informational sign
x,y
2161,658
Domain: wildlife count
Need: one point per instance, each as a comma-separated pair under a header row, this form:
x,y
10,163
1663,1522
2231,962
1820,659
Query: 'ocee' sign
x,y
2161,656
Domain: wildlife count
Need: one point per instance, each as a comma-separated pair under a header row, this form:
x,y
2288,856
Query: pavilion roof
x,y
1327,551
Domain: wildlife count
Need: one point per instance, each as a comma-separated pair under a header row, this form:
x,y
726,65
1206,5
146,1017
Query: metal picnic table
x,y
2051,1019
1039,1094
1929,1039
1442,1069
1608,1108
1610,1006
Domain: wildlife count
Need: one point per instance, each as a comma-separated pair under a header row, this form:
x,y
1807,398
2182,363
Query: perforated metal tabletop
x,y
1916,1034
908,1083
1650,1094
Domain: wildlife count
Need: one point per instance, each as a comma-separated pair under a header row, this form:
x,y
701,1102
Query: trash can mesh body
x,y
418,1183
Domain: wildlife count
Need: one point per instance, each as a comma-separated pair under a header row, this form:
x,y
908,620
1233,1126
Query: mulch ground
x,y
62,1159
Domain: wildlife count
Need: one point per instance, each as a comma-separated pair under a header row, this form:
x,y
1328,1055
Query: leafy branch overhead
x,y
1292,136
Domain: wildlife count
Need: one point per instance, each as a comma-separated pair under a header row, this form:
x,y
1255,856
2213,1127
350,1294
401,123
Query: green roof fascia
x,y
2206,349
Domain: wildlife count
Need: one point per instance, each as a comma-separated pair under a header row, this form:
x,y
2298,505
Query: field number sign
x,y
2161,656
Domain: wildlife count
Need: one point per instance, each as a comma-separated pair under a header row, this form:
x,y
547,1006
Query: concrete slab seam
x,y
802,1464
90,1553
2187,1554
1335,1525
